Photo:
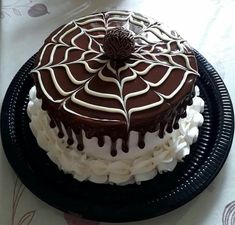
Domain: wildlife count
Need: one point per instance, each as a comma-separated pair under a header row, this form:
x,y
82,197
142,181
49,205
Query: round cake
x,y
111,91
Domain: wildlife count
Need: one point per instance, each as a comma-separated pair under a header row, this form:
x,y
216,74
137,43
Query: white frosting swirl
x,y
96,164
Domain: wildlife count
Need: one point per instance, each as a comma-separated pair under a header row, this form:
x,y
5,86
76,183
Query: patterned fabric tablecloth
x,y
207,25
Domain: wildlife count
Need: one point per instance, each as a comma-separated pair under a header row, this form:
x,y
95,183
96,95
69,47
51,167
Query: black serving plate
x,y
112,203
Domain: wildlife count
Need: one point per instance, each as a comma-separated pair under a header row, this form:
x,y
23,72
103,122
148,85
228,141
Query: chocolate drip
x,y
89,134
190,102
168,124
183,114
80,145
152,128
125,147
113,148
161,129
179,112
70,140
44,105
141,142
52,123
60,133
176,122
169,127
193,93
101,141
182,109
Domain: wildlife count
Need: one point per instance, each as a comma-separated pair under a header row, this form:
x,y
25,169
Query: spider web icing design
x,y
86,83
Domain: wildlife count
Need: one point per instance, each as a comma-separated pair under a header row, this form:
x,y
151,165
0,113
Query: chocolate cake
x,y
109,75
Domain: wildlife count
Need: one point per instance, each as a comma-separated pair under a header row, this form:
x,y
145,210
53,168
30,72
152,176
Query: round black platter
x,y
113,203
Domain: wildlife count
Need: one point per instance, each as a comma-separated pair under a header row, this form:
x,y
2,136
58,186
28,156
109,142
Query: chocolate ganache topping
x,y
84,90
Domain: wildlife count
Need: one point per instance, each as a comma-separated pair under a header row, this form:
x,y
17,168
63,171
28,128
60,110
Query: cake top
x,y
114,71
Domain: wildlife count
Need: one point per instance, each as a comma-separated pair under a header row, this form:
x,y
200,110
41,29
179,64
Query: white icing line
x,y
71,77
87,67
159,27
141,108
64,27
77,114
97,107
178,42
52,55
128,78
44,90
186,60
145,39
140,18
117,12
89,21
109,20
178,88
142,73
41,56
133,94
75,37
67,55
137,23
167,74
101,95
66,33
57,86
94,29
97,36
108,79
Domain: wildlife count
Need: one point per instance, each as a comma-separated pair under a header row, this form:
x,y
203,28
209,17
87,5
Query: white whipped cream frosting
x,y
96,164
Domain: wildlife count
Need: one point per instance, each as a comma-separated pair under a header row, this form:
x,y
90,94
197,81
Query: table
x,y
207,25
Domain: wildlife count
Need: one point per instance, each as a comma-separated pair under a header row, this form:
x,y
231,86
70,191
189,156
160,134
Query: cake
x,y
115,99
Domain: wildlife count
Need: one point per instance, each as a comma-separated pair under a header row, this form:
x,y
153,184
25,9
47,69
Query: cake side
x,y
97,165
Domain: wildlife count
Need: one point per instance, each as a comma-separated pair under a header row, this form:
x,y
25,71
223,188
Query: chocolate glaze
x,y
86,50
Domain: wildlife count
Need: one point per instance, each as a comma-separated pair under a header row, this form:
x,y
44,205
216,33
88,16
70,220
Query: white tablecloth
x,y
207,25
